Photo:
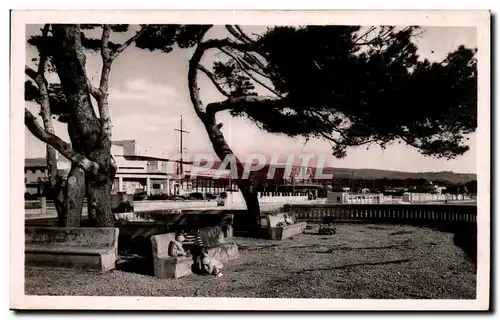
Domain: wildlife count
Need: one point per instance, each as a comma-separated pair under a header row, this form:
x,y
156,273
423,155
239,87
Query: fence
x,y
282,194
384,212
422,197
270,197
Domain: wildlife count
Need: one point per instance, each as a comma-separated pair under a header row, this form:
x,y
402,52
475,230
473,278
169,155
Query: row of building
x,y
144,174
367,197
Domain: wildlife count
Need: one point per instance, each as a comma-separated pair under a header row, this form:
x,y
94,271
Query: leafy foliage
x,y
165,37
348,85
333,84
234,79
344,84
45,45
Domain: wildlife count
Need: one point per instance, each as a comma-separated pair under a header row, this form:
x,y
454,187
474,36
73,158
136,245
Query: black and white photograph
x,y
299,160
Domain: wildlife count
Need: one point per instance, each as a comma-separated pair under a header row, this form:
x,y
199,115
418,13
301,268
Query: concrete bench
x,y
284,231
214,241
79,248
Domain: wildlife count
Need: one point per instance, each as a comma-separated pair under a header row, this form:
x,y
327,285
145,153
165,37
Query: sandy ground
x,y
360,261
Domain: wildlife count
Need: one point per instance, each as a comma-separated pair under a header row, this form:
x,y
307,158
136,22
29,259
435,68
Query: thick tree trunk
x,y
85,130
55,192
99,185
251,199
55,188
73,198
223,150
99,204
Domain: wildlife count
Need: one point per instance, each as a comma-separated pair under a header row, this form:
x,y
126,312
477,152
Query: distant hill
x,y
369,174
389,174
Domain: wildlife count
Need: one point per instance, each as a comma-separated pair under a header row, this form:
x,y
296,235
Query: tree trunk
x,y
55,188
73,198
99,185
99,204
251,199
223,150
85,131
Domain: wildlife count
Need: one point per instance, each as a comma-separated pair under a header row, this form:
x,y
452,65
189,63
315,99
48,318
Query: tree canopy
x,y
348,85
62,49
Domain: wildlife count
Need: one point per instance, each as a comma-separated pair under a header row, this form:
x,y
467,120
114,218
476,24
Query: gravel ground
x,y
360,261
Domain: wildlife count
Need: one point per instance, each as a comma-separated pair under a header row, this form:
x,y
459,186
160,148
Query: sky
x,y
148,93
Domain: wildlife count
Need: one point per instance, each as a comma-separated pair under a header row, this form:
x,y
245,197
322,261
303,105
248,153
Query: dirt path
x,y
360,261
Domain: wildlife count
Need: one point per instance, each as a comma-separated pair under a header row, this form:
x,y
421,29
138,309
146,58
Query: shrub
x,y
158,197
196,196
139,196
210,196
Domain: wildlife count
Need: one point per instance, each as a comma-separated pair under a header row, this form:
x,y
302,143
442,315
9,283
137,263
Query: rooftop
x,y
35,162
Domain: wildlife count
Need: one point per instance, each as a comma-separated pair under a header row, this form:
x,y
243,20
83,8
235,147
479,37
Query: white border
x,y
480,19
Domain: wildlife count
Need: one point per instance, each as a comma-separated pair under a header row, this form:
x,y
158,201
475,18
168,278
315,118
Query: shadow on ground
x,y
135,255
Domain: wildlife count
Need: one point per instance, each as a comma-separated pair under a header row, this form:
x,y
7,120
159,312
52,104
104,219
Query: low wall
x,y
82,248
384,212
169,204
424,197
236,198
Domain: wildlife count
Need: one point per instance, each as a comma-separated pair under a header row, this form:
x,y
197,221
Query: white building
x,y
155,175
138,173
35,172
354,198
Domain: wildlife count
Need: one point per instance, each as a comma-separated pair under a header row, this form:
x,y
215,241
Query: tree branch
x,y
81,58
214,107
245,64
105,51
239,34
381,38
43,55
60,145
194,62
245,67
211,76
30,73
244,35
127,43
232,30
364,35
102,99
217,43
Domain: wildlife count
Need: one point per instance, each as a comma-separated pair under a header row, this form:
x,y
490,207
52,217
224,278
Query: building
x,y
346,197
156,175
138,174
36,172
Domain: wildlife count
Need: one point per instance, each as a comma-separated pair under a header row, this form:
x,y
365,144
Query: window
x,y
338,199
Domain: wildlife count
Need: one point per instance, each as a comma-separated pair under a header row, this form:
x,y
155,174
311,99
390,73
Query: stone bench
x,y
275,232
166,266
79,248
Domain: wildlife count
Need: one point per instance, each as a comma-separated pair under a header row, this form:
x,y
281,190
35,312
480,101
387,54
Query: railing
x,y
384,212
282,194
